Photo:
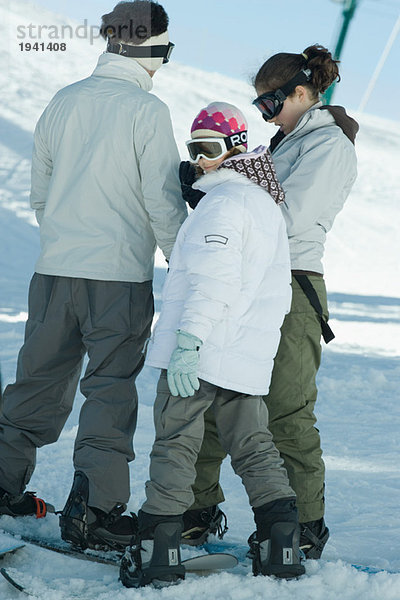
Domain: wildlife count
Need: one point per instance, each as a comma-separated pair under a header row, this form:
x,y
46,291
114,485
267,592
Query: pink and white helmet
x,y
219,119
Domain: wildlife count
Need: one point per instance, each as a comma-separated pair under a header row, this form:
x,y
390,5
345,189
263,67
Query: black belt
x,y
298,272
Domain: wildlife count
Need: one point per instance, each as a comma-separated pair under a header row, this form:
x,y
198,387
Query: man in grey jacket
x,y
106,192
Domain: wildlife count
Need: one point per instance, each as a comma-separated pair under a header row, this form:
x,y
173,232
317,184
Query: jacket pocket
x,y
40,293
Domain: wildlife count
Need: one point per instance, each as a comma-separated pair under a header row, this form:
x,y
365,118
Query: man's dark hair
x,y
134,22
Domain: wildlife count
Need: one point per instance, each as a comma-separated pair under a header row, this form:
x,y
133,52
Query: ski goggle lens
x,y
269,105
213,148
168,52
207,148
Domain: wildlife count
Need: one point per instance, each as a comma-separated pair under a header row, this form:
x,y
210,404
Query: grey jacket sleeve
x,y
42,168
319,183
159,161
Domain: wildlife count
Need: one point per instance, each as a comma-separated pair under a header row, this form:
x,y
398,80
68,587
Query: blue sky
x,y
234,37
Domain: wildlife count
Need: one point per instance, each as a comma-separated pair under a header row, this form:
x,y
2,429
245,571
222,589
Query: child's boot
x,y
154,554
277,540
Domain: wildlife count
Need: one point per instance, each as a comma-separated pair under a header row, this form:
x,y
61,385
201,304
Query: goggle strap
x,y
280,95
236,139
302,77
161,51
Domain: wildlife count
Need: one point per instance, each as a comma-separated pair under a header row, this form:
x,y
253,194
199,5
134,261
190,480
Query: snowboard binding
x,y
154,556
88,527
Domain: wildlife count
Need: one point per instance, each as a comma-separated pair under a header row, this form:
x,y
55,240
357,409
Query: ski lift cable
x,y
379,66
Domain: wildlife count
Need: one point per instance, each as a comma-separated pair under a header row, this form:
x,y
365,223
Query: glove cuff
x,y
187,341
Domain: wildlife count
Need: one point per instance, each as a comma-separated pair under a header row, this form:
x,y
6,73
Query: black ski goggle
x,y
162,51
270,104
212,148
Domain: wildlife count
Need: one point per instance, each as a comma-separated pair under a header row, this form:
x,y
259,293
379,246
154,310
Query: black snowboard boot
x,y
200,523
23,505
277,540
89,527
154,555
313,537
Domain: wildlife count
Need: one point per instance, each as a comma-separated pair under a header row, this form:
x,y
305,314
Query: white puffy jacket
x,y
228,284
105,181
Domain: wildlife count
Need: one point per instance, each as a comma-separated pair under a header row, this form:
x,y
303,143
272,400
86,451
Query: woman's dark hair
x,y
134,22
280,68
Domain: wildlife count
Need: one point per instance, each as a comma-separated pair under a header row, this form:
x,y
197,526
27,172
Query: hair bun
x,y
323,67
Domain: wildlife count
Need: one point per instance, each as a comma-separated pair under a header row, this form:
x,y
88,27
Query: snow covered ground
x,y
358,408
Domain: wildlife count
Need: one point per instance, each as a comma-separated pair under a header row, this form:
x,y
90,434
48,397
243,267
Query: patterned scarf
x,y
258,166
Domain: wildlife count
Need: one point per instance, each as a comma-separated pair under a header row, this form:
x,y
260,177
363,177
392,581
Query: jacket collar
x,y
257,166
120,67
301,123
312,119
319,116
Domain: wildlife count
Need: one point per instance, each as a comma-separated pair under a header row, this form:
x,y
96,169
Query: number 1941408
x,y
42,47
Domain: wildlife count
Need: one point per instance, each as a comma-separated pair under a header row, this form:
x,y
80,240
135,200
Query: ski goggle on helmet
x,y
212,148
270,103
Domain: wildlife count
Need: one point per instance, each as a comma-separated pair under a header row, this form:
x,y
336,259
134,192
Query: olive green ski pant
x,y
291,400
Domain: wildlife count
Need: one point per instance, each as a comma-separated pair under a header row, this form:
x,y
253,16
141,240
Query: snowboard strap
x,y
312,296
41,508
316,542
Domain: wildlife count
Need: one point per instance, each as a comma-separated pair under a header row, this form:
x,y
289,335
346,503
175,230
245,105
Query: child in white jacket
x,y
224,301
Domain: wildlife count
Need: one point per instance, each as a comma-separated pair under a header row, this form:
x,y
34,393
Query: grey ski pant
x,y
69,317
242,424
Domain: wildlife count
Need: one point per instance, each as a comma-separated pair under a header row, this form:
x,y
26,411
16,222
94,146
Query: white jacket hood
x,y
209,181
256,166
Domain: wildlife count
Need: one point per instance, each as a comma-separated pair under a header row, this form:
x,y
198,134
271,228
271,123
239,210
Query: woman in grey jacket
x,y
315,162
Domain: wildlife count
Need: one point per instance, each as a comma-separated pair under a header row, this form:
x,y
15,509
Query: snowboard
x,y
201,565
205,562
10,549
14,583
240,550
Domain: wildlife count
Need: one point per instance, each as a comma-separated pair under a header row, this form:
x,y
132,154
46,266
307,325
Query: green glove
x,y
182,369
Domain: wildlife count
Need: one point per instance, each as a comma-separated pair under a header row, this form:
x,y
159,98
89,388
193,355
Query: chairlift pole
x,y
348,13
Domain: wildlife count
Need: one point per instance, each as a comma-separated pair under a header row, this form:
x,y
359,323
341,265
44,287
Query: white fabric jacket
x,y
105,181
228,284
316,165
